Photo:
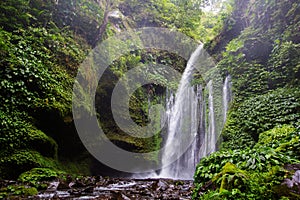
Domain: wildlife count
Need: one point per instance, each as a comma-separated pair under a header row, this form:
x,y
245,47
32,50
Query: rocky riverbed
x,y
115,188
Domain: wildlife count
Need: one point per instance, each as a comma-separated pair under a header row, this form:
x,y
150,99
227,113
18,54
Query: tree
x,y
108,6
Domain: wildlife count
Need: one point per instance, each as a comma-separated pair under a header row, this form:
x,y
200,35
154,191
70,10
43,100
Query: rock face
x,y
291,186
115,188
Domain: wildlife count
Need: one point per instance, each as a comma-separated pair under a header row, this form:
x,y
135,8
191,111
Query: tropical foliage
x,y
261,134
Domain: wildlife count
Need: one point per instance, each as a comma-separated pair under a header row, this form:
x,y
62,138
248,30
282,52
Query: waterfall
x,y
169,105
149,104
202,124
211,132
194,118
226,96
182,128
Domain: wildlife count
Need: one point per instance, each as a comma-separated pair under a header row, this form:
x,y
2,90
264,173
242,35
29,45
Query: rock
x,y
292,167
296,177
291,186
71,184
289,183
53,186
162,185
124,197
89,189
118,189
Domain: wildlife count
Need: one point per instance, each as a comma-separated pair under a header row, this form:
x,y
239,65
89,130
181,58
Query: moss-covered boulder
x,y
230,177
16,133
38,63
40,177
13,163
17,191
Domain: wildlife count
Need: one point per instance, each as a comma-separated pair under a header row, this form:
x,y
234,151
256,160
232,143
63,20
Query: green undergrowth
x,y
17,191
258,114
36,77
13,163
17,133
40,177
261,135
262,166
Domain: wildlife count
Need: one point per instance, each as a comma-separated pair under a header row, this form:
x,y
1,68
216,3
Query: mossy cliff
x,y
38,62
42,44
261,134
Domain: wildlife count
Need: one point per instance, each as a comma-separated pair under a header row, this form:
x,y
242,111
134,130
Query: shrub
x,y
11,191
284,139
258,114
12,164
38,175
240,174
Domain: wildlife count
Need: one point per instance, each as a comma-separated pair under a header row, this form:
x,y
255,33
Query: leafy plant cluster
x,y
240,184
284,64
37,176
15,191
283,139
261,133
82,17
246,121
261,159
17,133
12,164
187,17
261,162
38,63
265,55
254,173
33,75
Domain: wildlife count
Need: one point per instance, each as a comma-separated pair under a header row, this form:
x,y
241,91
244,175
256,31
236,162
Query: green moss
x,y
80,166
37,175
12,164
275,134
249,119
17,133
231,182
284,139
230,177
42,143
12,191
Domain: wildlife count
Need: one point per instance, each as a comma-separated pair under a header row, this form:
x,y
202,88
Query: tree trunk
x,y
103,26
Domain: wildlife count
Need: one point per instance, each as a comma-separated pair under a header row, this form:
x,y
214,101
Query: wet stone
x,y
118,188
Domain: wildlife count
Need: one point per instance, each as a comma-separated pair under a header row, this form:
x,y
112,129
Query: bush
x,y
258,114
37,176
250,174
16,133
261,159
12,164
11,191
284,139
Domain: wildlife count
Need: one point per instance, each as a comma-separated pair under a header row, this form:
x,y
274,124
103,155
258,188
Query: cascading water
x,y
211,132
169,106
208,133
182,128
191,116
226,96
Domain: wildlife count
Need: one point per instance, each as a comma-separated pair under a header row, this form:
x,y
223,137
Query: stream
x,y
117,188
